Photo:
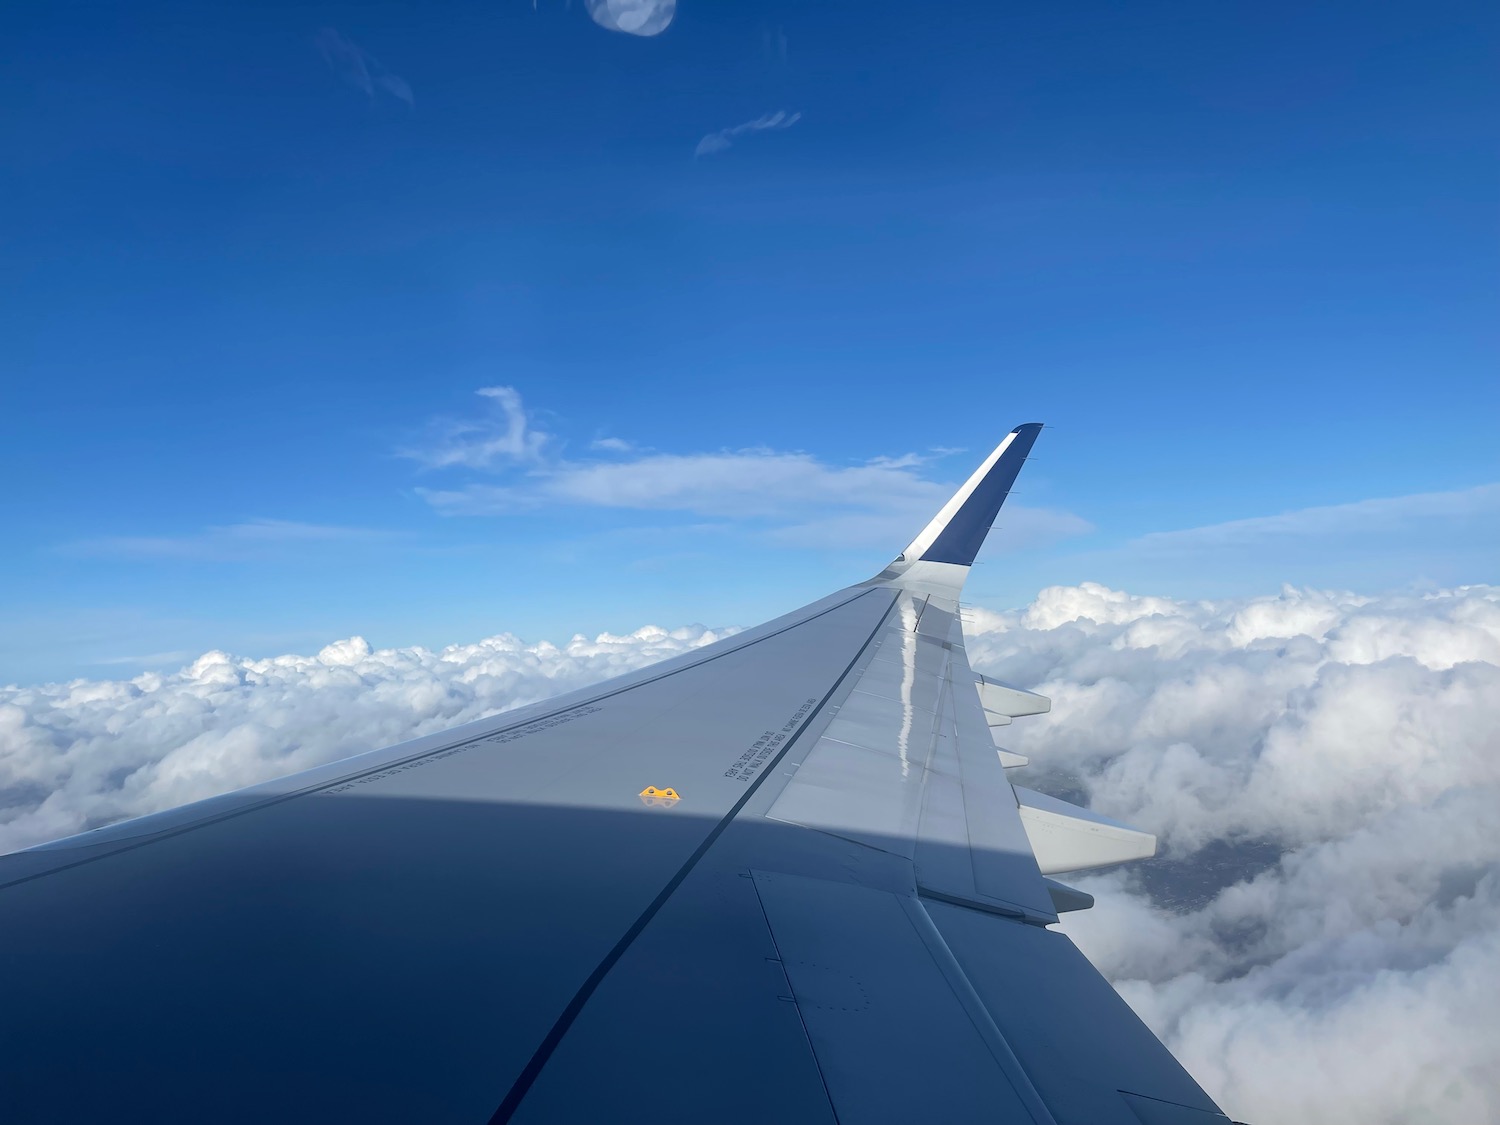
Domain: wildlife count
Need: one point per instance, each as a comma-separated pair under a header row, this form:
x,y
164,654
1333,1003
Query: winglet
x,y
942,554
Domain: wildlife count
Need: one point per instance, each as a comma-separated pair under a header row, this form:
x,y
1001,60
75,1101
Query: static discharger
x,y
651,795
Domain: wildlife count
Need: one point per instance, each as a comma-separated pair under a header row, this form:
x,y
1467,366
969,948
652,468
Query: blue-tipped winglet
x,y
960,539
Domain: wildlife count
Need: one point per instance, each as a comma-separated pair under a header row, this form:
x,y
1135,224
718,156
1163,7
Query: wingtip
x,y
963,533
953,538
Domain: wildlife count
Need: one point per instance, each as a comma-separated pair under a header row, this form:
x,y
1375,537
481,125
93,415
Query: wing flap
x,y
1079,1042
1009,702
1065,837
881,1010
904,765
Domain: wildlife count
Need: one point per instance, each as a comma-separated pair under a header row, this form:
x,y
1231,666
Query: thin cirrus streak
x,y
254,539
1378,516
358,68
725,138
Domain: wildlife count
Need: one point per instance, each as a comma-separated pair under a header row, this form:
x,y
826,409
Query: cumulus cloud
x,y
505,434
634,17
358,68
724,138
1319,941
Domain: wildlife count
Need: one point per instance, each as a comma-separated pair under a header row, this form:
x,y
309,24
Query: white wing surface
x,y
781,879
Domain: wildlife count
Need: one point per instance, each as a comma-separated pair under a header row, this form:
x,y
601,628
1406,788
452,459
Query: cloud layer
x,y
1320,940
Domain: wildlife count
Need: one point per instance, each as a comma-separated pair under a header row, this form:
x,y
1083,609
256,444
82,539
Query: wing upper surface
x,y
399,936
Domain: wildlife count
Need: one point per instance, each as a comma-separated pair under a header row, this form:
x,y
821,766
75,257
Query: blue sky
x,y
761,286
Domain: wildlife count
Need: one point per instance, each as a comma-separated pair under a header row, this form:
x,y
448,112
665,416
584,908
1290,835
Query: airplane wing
x,y
783,878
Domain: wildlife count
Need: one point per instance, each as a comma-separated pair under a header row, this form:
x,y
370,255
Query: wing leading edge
x,y
839,913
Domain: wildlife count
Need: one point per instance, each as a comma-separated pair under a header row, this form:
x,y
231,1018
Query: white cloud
x,y
507,434
754,482
634,17
724,138
794,496
251,539
808,502
612,445
360,69
746,482
1319,942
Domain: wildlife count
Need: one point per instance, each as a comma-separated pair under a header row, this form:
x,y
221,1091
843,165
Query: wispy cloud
x,y
1018,527
1385,516
774,45
753,483
360,69
505,435
612,445
724,138
905,461
255,539
634,17
791,496
150,660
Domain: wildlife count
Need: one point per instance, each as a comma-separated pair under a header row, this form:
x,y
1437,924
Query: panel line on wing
x,y
554,1036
